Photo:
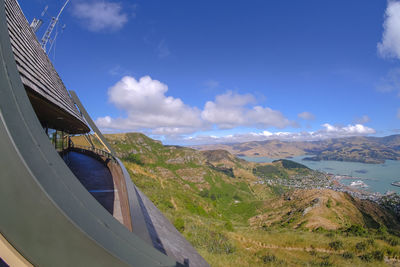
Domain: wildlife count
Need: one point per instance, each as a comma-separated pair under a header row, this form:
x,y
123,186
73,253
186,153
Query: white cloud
x,y
328,131
389,47
147,107
231,110
306,115
349,130
100,15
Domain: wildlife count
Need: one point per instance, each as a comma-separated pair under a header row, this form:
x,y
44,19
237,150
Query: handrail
x,y
95,150
138,220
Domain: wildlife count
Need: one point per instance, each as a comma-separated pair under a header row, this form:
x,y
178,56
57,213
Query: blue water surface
x,y
378,177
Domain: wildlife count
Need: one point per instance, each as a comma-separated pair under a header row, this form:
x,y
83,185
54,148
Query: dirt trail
x,y
269,246
390,261
173,203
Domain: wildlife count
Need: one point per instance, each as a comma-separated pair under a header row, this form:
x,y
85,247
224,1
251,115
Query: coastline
x,y
377,176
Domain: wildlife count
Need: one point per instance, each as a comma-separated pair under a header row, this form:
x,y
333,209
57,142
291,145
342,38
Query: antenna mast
x,y
36,23
50,28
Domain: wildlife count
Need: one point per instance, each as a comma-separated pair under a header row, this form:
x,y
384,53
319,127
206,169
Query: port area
x,y
322,180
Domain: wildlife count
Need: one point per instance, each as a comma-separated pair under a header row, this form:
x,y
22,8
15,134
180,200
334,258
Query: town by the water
x,y
322,180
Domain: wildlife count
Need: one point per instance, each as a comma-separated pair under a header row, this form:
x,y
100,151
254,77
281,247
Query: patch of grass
x,y
133,158
270,171
228,226
336,245
289,164
329,203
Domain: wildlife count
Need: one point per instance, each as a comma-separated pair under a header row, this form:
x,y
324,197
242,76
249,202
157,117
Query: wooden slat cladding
x,y
35,68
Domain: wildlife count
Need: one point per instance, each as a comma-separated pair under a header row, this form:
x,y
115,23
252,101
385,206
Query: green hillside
x,y
219,204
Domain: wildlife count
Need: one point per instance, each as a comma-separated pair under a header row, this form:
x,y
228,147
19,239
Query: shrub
x,y
269,258
336,245
378,255
392,252
366,257
382,230
356,230
319,230
219,243
370,242
134,158
361,246
392,241
326,263
204,193
179,224
347,255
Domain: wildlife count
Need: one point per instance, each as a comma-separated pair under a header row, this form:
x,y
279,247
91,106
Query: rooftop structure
x,y
63,204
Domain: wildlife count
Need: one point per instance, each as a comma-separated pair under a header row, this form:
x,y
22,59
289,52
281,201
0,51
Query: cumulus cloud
x,y
362,120
327,131
147,107
306,115
389,47
231,110
349,130
100,15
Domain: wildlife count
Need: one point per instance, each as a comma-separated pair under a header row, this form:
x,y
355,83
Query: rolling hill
x,y
218,203
356,149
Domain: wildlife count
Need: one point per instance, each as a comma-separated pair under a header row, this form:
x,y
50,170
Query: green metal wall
x,y
45,213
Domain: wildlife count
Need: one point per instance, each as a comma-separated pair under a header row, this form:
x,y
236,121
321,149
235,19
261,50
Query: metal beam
x,y
91,123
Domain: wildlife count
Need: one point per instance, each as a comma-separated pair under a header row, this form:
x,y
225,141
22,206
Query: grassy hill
x,y
216,201
356,149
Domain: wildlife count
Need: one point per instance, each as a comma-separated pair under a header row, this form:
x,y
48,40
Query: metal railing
x,y
95,150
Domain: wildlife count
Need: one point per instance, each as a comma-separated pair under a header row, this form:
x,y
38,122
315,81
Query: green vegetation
x,y
270,171
288,164
214,200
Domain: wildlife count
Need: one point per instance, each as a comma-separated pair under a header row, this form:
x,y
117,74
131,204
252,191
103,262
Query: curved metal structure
x,y
45,89
47,218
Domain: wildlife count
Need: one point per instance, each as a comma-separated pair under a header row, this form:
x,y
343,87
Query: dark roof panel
x,y
38,74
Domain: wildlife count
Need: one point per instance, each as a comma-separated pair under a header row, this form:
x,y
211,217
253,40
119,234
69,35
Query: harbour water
x,y
377,177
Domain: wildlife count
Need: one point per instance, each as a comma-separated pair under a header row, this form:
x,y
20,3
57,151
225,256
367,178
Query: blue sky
x,y
189,72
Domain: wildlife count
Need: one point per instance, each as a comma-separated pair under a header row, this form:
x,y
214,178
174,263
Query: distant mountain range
x,y
355,149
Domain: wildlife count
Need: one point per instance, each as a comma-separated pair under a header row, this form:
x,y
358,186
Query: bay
x,y
378,177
